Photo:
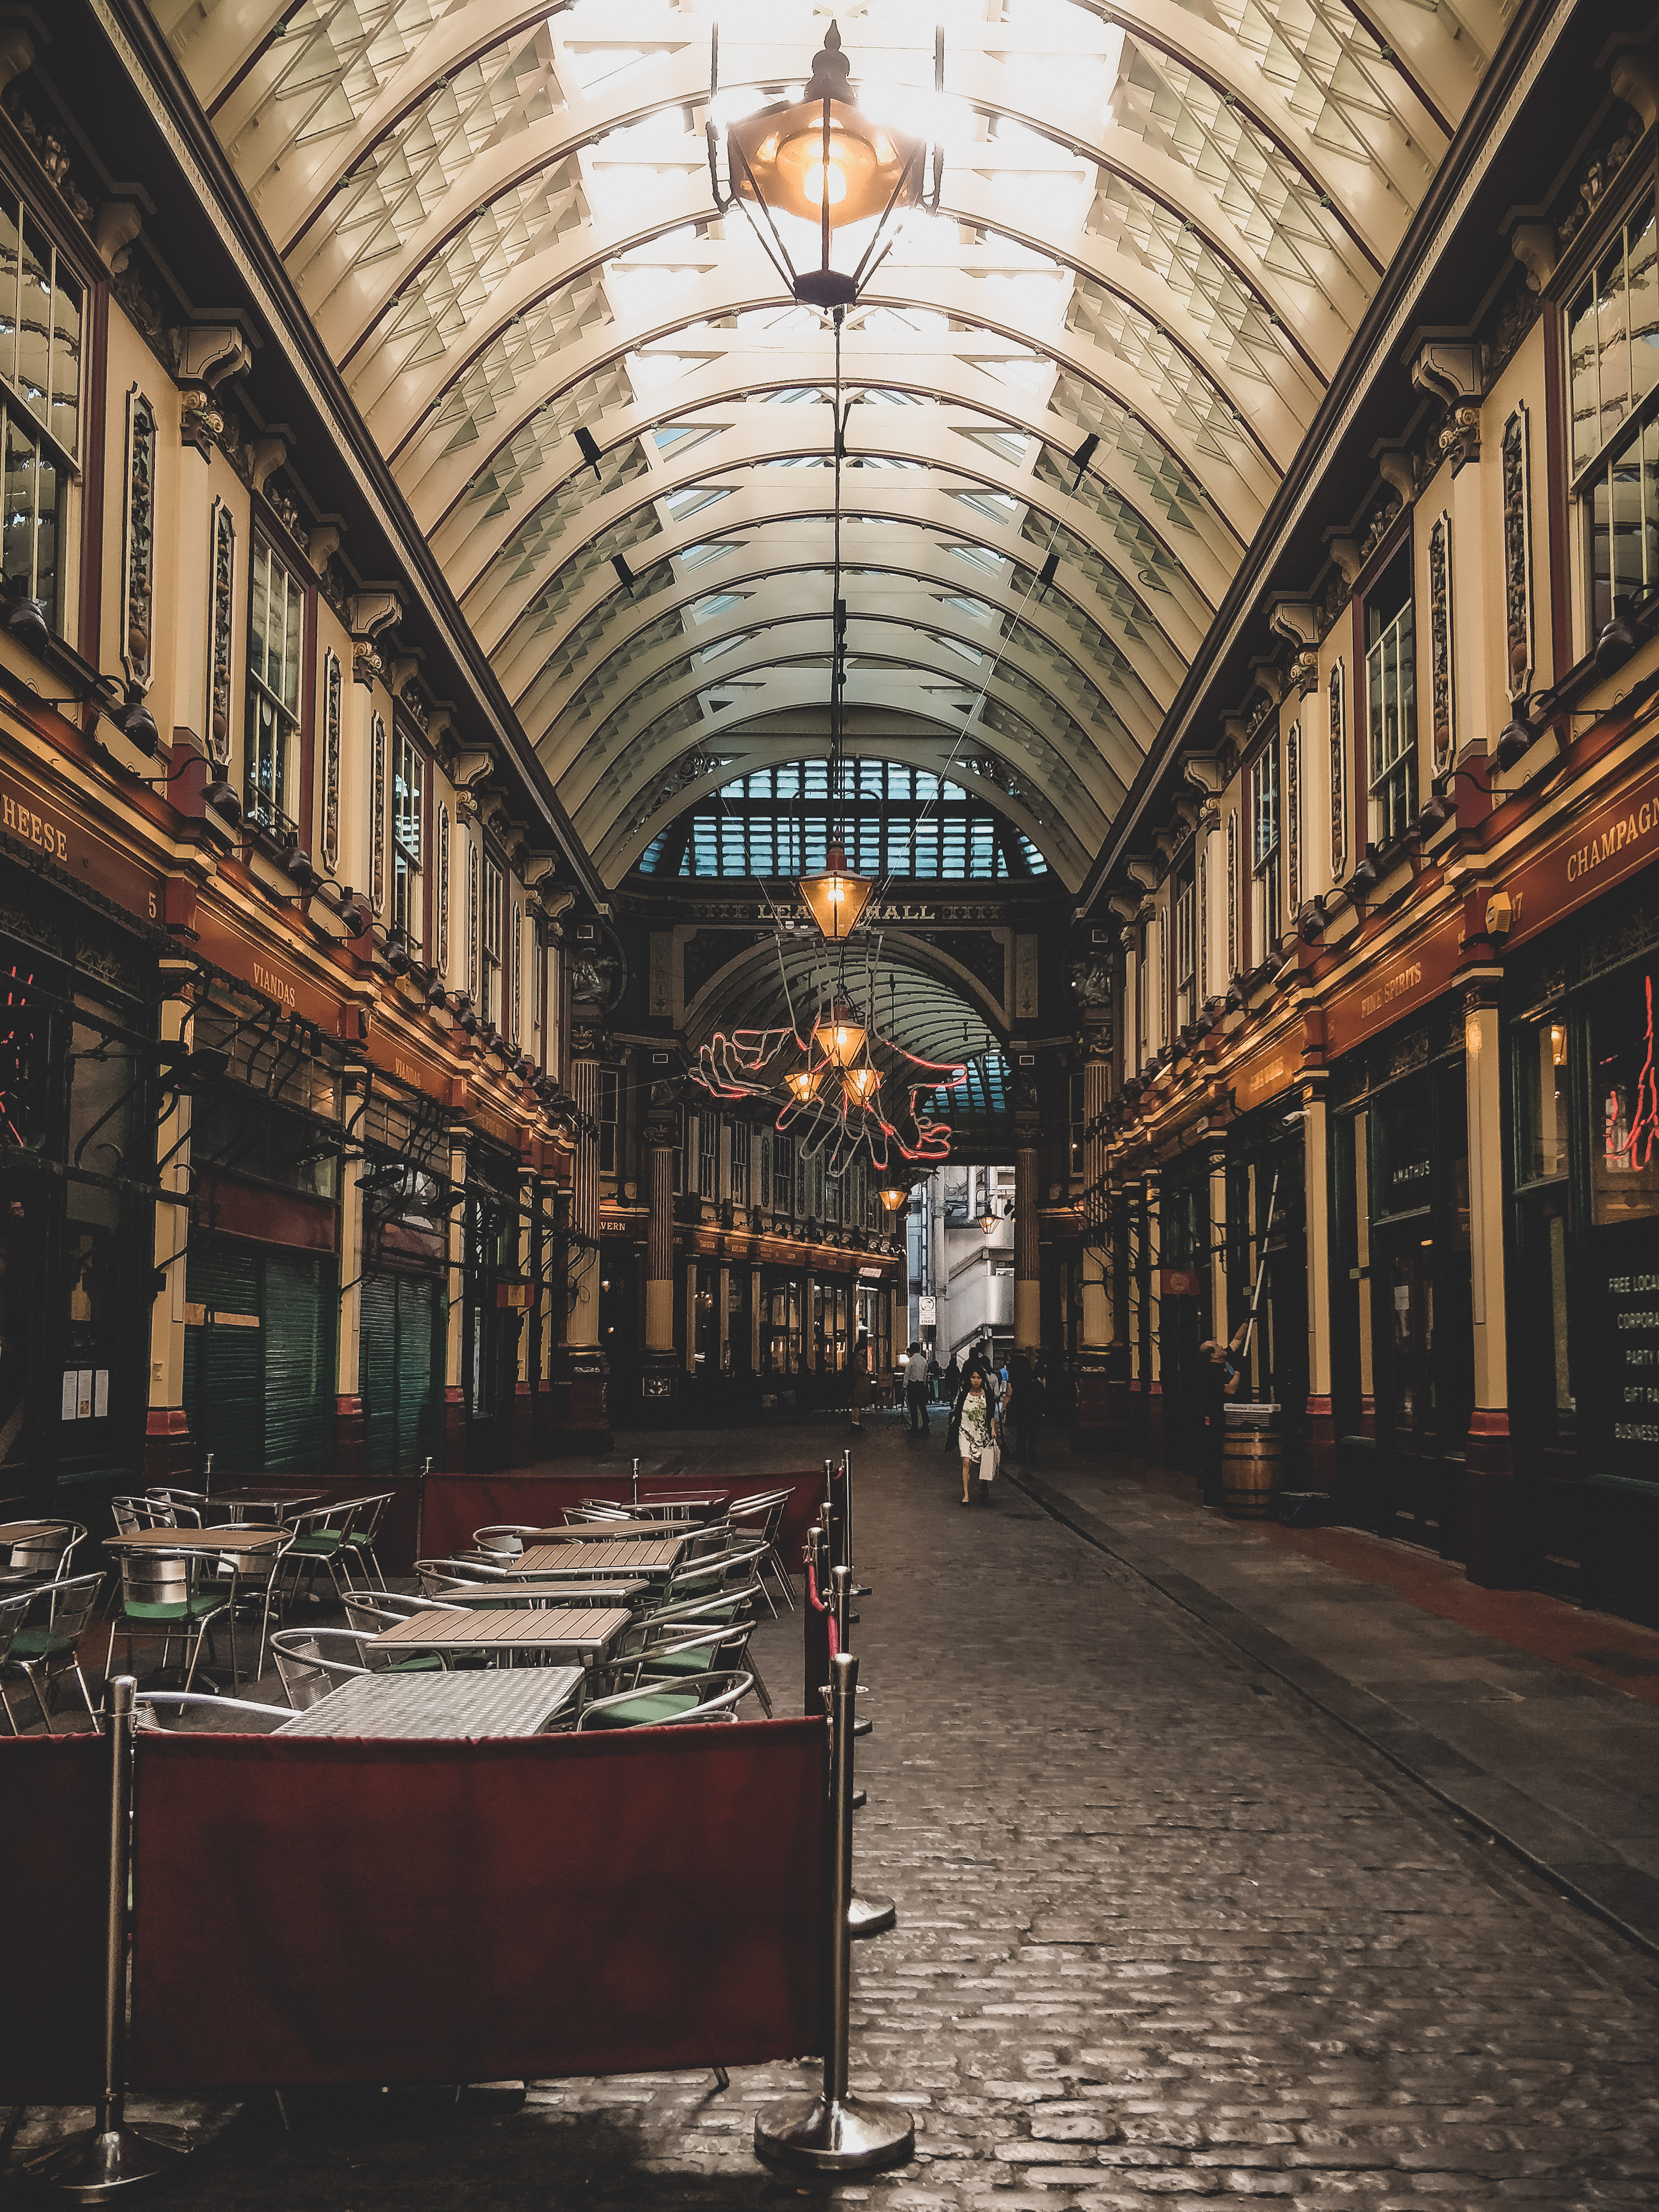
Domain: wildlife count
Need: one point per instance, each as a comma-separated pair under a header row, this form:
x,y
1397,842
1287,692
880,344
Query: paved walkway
x,y
1169,1932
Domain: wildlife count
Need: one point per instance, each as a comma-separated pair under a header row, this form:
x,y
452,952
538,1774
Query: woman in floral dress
x,y
975,1423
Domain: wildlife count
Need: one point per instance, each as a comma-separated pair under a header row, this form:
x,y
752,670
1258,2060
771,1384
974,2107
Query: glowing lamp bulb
x,y
815,173
861,1084
804,1083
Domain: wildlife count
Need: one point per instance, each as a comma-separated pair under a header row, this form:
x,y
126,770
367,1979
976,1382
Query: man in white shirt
x,y
915,1390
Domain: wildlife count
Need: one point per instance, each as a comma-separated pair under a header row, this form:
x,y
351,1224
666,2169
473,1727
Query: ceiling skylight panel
x,y
478,395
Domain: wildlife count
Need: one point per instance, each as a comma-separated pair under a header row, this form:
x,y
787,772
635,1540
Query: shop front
x,y
494,1304
1180,1304
80,1084
1584,1265
782,1334
1403,1379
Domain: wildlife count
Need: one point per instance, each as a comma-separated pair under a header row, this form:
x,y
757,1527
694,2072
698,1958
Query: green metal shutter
x,y
224,1381
420,1423
376,1373
300,1377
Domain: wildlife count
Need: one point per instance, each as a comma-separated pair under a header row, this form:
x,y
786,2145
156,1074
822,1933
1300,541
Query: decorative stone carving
x,y
1454,373
138,542
1517,550
204,356
441,960
333,710
368,613
1232,891
1293,819
377,799
117,223
1443,674
221,615
1339,775
1399,471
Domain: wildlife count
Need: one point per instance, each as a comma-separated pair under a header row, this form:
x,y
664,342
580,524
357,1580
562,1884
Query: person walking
x,y
935,1377
974,1431
951,1382
915,1390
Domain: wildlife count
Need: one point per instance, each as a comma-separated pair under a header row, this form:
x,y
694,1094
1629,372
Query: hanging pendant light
x,y
804,1082
820,159
895,1197
837,898
861,1084
838,1033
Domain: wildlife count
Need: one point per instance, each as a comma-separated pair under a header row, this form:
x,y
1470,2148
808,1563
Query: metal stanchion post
x,y
866,1916
637,1483
90,2167
847,1503
836,2132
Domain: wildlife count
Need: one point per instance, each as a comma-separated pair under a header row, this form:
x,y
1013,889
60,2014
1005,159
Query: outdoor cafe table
x,y
19,1532
240,1542
611,1532
588,1630
281,1499
500,1596
649,1557
492,1703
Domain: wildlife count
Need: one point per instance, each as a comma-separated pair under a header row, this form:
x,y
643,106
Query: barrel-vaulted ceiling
x,y
1160,224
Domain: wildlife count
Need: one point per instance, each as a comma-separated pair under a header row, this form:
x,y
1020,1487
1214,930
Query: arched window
x,y
894,820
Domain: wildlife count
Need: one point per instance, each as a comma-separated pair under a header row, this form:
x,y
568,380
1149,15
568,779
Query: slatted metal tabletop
x,y
521,1701
649,1556
588,1630
501,1596
241,1540
608,1532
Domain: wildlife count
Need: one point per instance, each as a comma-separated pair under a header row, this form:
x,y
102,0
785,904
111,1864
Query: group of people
x,y
986,1396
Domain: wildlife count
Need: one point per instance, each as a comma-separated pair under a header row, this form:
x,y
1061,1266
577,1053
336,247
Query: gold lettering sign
x,y
1633,827
30,827
274,985
1391,988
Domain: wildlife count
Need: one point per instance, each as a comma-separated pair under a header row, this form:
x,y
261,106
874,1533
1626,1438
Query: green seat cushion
x,y
322,1542
650,1707
424,1663
359,1536
196,1609
699,1662
41,1642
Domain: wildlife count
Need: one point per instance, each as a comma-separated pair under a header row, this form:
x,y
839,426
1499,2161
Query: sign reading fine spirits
x,y
1394,987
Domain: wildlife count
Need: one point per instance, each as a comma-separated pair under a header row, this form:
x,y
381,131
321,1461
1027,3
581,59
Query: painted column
x,y
1093,1413
1028,1279
1315,1195
657,1371
349,1435
1491,1510
455,1258
585,1424
169,1455
529,1317
723,1293
753,1321
1154,1379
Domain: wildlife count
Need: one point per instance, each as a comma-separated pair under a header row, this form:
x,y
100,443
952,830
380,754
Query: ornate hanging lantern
x,y
837,898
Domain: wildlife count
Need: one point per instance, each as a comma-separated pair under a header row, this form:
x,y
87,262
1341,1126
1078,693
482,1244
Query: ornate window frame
x,y
474,877
516,1030
1292,822
1232,892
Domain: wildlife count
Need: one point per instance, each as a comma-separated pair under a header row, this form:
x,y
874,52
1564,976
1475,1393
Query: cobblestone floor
x,y
1167,1933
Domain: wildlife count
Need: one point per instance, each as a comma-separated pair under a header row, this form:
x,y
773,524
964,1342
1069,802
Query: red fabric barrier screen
x,y
54,1879
313,1911
456,1505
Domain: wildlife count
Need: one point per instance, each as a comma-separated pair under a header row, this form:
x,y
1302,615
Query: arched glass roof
x,y
1160,224
890,819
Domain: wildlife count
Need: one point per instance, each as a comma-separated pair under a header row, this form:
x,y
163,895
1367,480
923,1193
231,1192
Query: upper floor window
x,y
742,1137
275,634
606,1110
489,982
1266,846
1185,947
408,817
1143,1034
42,311
1612,367
708,1154
783,1175
1391,699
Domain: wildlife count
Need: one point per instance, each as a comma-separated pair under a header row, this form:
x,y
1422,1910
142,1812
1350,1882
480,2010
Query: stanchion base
x,y
89,2167
850,2138
870,1916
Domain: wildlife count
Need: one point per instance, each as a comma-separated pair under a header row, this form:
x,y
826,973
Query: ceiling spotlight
x,y
588,447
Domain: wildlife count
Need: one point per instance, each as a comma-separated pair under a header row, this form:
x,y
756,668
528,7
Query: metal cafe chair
x,y
14,1612
250,1581
435,1573
347,1652
769,1507
712,1697
506,1537
312,1661
708,1575
47,1643
173,1591
373,1610
362,1531
677,1655
321,1539
42,1556
146,1701
188,1507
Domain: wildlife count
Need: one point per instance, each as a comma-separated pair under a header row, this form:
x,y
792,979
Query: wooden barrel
x,y
1252,1468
